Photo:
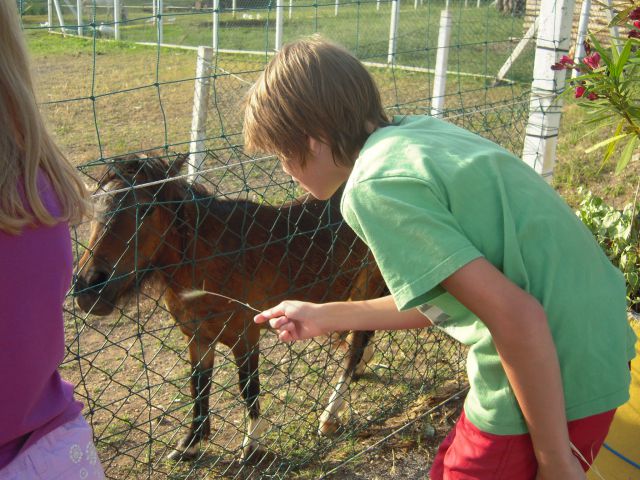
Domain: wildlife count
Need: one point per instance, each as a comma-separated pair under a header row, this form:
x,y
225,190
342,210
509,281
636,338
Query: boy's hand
x,y
571,469
294,320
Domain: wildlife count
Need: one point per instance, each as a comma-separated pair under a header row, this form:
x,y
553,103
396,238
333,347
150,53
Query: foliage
x,y
608,82
618,232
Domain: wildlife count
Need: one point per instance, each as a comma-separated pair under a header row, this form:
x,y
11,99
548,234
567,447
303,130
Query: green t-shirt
x,y
429,197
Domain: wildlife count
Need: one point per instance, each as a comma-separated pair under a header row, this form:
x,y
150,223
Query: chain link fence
x,y
142,362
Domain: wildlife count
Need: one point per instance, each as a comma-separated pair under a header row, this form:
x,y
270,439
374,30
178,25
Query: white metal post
x,y
393,31
377,4
518,50
442,61
116,19
79,16
50,13
160,23
613,30
56,4
199,117
336,7
583,26
554,35
234,7
290,9
279,24
154,8
216,24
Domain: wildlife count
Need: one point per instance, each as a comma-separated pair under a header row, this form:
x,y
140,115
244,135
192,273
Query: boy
x,y
469,239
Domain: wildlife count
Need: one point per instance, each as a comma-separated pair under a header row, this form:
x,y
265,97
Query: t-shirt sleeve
x,y
415,239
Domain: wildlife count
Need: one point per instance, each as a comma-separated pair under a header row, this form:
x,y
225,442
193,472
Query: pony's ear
x,y
177,164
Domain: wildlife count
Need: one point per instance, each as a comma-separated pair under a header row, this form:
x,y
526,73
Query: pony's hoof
x,y
252,454
180,455
328,428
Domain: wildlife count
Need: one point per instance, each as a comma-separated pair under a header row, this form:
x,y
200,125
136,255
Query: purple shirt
x,y
35,274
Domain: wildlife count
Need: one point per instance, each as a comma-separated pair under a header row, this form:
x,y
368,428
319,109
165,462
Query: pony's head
x,y
135,212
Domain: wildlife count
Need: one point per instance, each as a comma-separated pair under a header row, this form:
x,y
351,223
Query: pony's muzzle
x,y
89,291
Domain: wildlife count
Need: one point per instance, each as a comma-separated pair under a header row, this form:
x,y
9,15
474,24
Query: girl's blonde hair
x,y
25,144
312,88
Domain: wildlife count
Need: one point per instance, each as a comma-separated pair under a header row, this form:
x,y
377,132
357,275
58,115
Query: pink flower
x,y
565,62
587,47
592,96
580,91
636,24
635,14
592,61
634,34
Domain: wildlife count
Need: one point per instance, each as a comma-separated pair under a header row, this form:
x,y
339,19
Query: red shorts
x,y
469,453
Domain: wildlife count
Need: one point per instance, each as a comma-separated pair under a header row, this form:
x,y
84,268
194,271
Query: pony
x,y
151,225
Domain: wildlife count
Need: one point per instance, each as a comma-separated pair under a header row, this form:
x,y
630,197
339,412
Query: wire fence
x,y
162,375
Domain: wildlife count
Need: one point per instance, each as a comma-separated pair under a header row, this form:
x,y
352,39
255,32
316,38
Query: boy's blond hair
x,y
312,88
25,144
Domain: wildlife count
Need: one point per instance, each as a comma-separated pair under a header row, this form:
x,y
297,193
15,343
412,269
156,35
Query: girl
x,y
43,434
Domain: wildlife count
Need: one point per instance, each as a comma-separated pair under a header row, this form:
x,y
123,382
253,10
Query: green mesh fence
x,y
121,110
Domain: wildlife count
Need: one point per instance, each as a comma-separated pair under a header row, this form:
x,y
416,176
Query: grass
x,y
482,38
575,168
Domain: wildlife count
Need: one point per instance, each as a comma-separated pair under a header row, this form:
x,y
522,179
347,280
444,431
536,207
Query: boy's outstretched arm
x,y
520,332
296,320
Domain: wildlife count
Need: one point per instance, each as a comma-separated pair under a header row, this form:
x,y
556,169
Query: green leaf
x,y
612,145
621,17
626,154
624,56
605,142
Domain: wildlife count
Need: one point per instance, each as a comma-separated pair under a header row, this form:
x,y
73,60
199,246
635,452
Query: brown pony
x,y
183,237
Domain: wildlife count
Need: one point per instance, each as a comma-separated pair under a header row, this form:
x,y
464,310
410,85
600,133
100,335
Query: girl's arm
x,y
296,320
520,332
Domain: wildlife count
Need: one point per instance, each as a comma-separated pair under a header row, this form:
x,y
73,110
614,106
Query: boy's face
x,y
321,177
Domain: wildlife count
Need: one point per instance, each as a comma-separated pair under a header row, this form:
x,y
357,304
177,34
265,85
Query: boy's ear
x,y
314,145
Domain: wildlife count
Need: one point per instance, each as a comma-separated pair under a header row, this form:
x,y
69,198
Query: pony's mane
x,y
138,169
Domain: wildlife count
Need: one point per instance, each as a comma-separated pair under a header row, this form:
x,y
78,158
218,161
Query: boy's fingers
x,y
278,322
285,336
267,315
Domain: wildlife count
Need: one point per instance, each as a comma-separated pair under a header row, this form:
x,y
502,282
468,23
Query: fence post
x,y
56,4
116,19
79,15
336,8
279,24
290,9
234,7
199,117
50,14
583,26
160,23
554,35
216,24
442,59
393,31
378,5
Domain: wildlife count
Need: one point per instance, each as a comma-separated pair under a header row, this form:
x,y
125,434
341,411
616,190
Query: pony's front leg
x,y
246,354
201,356
359,353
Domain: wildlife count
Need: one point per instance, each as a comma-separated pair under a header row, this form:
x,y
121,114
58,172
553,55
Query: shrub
x,y
618,232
